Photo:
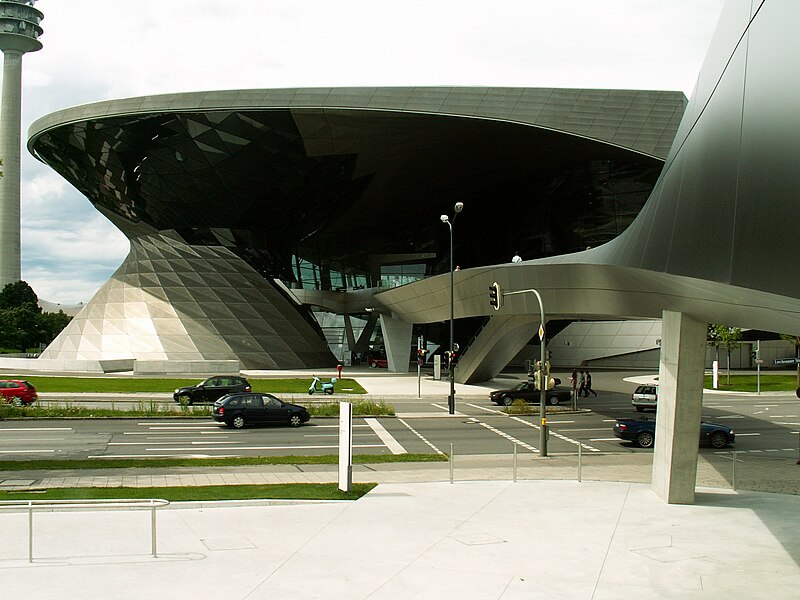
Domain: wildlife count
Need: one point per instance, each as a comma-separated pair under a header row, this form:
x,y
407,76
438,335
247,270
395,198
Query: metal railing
x,y
31,506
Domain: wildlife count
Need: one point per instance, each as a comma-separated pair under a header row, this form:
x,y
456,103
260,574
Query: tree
x,y
17,294
728,338
23,324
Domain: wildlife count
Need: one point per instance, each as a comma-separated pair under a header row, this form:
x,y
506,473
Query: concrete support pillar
x,y
10,123
397,339
680,398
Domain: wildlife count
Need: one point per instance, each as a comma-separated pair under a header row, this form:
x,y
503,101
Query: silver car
x,y
645,396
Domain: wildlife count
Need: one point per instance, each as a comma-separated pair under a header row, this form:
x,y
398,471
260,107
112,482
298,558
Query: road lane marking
x,y
42,451
336,435
586,429
746,434
169,443
333,426
36,429
387,438
503,434
613,439
270,447
420,436
558,435
729,417
157,433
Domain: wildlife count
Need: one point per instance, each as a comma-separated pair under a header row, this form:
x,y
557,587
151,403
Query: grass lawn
x,y
748,383
152,463
44,410
168,385
286,491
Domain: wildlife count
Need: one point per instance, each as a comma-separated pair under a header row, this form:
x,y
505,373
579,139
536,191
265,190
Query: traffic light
x,y
447,358
454,359
495,296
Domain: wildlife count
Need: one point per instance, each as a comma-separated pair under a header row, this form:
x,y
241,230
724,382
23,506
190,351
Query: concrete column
x,y
10,124
397,339
680,399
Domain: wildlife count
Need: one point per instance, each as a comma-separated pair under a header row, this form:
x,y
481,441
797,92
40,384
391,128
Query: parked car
x,y
18,391
375,362
643,433
645,396
240,409
211,389
527,392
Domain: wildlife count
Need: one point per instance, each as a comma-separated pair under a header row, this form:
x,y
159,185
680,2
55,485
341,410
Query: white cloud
x,y
97,49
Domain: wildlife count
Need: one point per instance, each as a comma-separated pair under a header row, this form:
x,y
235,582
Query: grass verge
x,y
153,463
143,384
749,383
282,491
43,410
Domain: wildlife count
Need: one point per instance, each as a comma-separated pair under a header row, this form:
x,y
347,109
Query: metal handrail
x,y
124,503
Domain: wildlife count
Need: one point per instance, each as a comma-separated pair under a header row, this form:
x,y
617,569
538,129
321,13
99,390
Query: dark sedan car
x,y
238,410
526,391
211,389
643,433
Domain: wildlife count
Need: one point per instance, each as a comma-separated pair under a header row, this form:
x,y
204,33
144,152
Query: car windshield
x,y
521,386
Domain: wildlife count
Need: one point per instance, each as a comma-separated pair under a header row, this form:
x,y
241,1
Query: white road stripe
x,y
613,439
26,451
730,417
586,429
558,435
746,434
387,438
270,447
156,433
505,435
37,429
169,443
420,436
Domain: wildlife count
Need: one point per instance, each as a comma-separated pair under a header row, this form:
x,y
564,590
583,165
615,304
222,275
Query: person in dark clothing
x,y
588,387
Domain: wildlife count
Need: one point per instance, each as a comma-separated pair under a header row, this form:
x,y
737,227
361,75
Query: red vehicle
x,y
18,391
376,362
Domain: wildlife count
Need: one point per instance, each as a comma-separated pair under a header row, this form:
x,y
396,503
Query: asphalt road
x,y
765,425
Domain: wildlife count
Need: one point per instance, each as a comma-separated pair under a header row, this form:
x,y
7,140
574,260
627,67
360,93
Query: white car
x,y
645,396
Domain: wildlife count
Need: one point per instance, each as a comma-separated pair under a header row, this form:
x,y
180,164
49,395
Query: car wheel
x,y
552,400
718,439
646,439
238,421
295,421
508,401
184,400
373,365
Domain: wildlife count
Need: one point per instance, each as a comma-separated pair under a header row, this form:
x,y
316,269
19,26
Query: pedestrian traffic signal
x,y
495,296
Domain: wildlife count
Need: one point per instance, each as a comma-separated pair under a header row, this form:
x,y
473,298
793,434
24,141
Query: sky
x,y
101,49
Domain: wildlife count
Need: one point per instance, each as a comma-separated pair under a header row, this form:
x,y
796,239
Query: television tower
x,y
19,33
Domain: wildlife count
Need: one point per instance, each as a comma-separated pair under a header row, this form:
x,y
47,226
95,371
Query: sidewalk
x,y
492,540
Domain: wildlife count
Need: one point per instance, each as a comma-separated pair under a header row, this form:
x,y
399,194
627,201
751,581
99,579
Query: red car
x,y
18,391
374,363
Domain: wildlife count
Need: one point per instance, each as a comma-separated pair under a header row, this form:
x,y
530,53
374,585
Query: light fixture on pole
x,y
451,400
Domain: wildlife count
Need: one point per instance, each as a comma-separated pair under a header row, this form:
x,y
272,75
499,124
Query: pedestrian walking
x,y
582,383
574,382
589,385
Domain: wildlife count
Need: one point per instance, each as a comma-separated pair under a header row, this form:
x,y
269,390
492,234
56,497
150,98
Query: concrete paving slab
x,y
495,540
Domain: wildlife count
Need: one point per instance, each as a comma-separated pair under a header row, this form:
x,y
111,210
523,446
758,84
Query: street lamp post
x,y
451,400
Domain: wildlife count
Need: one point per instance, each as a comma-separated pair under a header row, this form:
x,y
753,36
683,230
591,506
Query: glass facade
x,y
342,199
